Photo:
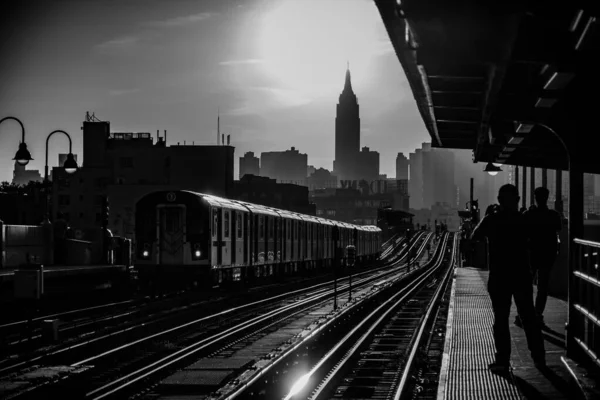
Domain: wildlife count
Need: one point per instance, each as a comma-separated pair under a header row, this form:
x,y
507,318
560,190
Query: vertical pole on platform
x,y
558,203
575,218
524,191
517,176
532,187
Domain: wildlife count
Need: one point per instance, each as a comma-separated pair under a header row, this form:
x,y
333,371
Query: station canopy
x,y
493,76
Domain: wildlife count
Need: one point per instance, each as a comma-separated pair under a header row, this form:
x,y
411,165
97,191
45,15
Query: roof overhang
x,y
488,76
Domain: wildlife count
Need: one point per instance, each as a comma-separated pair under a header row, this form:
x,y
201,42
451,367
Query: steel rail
x,y
397,299
318,287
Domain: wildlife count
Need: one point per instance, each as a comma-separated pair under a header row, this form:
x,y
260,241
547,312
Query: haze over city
x,y
149,65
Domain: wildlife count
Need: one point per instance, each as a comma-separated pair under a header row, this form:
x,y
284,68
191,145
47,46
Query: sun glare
x,y
305,44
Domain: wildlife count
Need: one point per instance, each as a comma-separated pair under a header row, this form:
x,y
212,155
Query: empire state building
x,y
347,134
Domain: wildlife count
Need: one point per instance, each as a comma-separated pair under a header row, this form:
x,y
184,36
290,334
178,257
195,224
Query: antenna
x,y
228,139
218,125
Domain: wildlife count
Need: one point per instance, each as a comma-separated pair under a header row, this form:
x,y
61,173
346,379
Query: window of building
x,y
98,199
226,224
126,162
80,197
80,215
80,180
239,225
64,200
98,217
319,212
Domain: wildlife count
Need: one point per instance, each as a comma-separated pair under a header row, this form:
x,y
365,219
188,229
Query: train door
x,y
171,234
234,228
246,238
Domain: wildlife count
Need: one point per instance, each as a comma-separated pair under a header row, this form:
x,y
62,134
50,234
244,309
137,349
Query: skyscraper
x,y
347,134
401,166
249,165
285,166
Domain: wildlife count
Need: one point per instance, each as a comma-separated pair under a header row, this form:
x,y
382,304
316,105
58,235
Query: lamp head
x,y
492,169
22,156
70,164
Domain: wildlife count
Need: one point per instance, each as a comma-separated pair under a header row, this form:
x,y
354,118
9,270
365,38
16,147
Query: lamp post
x,y
22,156
70,165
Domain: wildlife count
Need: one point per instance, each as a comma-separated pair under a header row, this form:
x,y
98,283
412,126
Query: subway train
x,y
204,237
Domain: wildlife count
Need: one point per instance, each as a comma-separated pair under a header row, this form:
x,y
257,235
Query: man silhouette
x,y
507,233
544,225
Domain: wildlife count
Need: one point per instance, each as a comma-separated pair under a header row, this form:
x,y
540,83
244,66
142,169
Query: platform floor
x,y
469,348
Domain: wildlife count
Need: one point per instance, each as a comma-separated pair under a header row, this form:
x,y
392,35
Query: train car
x,y
182,234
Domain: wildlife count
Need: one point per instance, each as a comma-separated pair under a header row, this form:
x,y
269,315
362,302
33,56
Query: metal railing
x,y
584,324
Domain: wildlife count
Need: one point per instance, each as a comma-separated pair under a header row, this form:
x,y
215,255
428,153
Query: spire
x,y
348,84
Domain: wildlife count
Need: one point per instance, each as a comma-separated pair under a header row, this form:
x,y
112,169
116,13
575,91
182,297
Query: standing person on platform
x,y
506,231
544,225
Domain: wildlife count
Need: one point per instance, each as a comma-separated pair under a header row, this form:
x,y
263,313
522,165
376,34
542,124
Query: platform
x,y
469,348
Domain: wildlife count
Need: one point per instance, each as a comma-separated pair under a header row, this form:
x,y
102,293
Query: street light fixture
x,y
492,169
22,156
70,164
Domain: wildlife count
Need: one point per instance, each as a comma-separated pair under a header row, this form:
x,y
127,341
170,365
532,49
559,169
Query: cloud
x,y
121,92
259,100
241,62
180,21
119,43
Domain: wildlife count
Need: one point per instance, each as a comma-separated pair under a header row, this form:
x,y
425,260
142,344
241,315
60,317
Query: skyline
x,y
151,66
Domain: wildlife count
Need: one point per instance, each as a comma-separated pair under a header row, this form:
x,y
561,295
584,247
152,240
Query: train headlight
x,y
146,251
196,252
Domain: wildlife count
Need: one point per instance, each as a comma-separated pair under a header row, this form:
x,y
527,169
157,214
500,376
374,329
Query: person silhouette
x,y
544,225
510,276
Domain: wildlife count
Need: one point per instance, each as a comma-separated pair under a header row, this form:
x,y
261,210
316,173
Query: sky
x,y
273,68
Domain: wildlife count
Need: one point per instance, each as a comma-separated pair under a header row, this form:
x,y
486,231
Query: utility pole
x,y
336,262
408,236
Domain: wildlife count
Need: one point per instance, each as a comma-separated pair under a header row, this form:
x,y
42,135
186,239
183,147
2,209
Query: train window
x,y
287,229
226,223
239,225
261,227
215,222
271,227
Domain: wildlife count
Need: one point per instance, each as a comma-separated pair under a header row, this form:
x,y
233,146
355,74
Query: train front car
x,y
172,235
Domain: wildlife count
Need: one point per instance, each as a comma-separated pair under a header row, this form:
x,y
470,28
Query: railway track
x,y
137,354
375,355
22,336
